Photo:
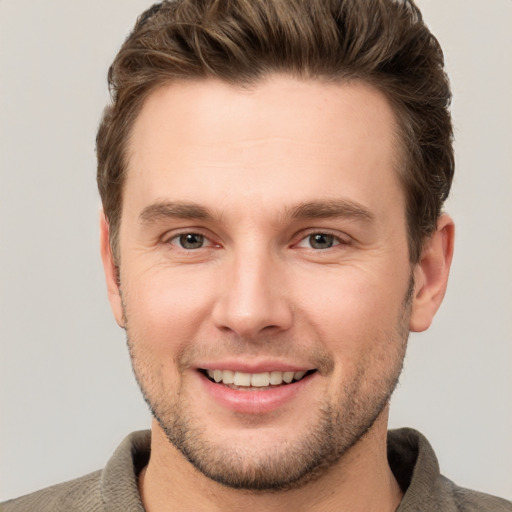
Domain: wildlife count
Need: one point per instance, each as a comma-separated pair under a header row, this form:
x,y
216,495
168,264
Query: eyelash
x,y
336,239
198,233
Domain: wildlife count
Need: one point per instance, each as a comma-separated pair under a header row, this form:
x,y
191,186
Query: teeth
x,y
257,380
228,377
276,378
242,379
260,380
288,377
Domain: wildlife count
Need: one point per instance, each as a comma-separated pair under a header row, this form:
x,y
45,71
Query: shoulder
x,y
467,500
80,494
415,466
113,489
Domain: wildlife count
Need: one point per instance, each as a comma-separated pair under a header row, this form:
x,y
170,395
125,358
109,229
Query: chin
x,y
264,460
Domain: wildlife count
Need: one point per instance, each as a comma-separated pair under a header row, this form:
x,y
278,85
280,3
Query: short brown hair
x,y
380,42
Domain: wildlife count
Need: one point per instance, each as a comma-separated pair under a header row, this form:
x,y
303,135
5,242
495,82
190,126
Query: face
x,y
264,273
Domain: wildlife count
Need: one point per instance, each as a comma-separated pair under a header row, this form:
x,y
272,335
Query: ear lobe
x,y
431,275
111,271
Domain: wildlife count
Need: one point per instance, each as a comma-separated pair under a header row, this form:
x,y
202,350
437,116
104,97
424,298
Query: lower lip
x,y
255,401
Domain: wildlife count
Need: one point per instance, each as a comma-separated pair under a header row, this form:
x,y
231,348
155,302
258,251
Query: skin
x,y
270,167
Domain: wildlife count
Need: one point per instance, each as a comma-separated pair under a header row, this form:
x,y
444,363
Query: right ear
x,y
111,271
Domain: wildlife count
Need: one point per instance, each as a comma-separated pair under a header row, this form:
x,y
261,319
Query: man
x,y
272,177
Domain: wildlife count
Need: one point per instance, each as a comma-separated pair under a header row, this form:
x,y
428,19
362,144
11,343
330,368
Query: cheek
x,y
349,298
166,308
355,314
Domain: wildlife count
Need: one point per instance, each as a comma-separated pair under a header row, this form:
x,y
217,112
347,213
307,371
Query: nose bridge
x,y
252,296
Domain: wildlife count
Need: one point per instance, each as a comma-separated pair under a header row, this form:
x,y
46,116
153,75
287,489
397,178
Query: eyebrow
x,y
174,210
342,208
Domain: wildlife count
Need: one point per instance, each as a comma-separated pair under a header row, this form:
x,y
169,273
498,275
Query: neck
x,y
360,481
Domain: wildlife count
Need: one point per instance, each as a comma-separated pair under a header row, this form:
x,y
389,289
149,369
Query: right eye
x,y
190,241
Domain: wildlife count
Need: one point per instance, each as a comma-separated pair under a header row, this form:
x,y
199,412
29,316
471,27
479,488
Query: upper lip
x,y
254,367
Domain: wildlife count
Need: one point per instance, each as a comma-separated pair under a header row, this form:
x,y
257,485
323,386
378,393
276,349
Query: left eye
x,y
319,241
190,241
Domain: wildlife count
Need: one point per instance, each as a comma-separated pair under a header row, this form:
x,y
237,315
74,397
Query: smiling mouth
x,y
254,381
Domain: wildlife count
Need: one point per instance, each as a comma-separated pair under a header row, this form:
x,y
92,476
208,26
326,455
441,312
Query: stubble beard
x,y
335,430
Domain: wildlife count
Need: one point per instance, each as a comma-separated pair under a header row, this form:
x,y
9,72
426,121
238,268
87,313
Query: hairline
x,y
402,158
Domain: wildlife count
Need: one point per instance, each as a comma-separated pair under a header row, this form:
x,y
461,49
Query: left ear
x,y
431,275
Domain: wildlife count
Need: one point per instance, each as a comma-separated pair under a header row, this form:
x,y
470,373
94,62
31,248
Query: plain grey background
x,y
66,389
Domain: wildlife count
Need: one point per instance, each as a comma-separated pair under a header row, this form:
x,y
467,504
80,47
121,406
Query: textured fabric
x,y
416,469
114,489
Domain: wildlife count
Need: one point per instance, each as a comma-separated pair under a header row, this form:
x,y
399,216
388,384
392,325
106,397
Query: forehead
x,y
283,140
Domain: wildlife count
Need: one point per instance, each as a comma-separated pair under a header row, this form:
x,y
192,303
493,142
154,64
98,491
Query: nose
x,y
252,297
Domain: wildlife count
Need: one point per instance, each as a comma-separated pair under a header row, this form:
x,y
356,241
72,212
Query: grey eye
x,y
321,241
191,241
